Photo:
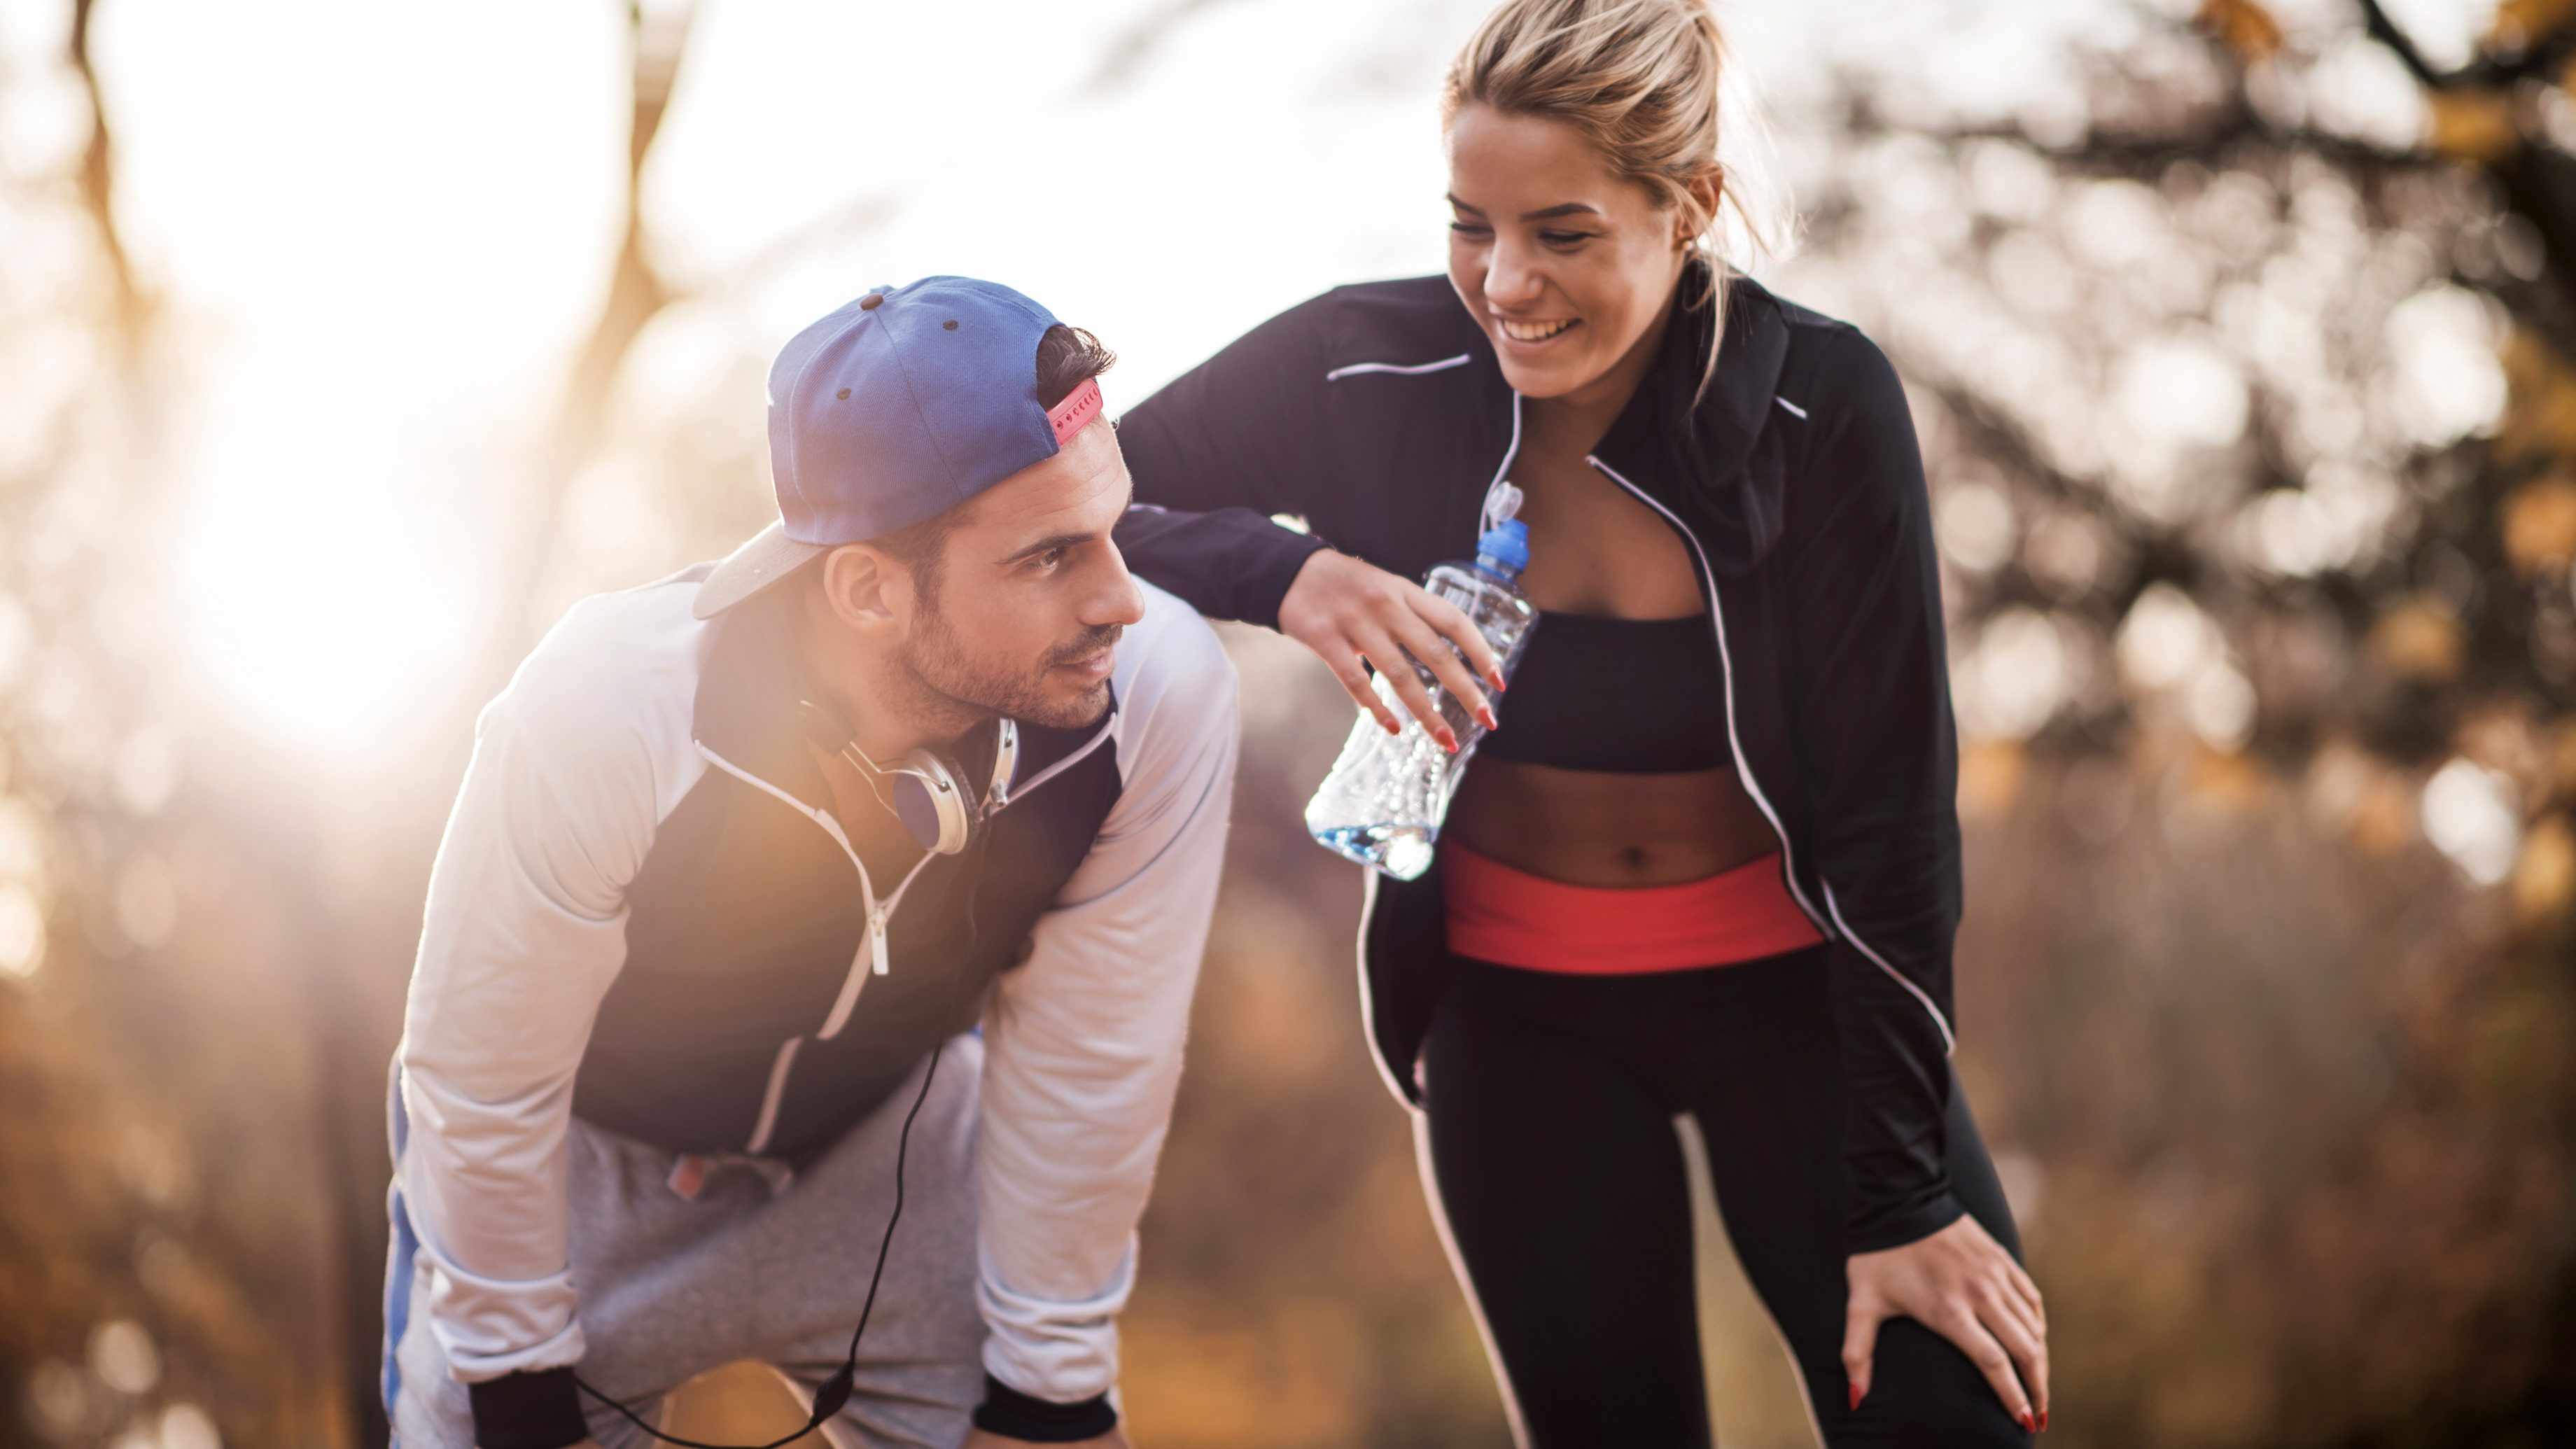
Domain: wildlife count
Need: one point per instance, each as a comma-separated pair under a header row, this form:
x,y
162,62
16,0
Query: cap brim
x,y
770,556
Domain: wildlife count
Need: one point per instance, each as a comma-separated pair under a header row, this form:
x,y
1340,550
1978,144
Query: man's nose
x,y
1117,600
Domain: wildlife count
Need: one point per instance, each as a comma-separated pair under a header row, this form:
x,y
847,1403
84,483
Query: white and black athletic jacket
x,y
644,913
1379,414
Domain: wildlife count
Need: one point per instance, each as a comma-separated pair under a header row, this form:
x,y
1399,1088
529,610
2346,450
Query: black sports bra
x,y
1629,696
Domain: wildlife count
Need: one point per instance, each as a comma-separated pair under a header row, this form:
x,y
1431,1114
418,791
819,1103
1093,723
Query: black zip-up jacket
x,y
1379,414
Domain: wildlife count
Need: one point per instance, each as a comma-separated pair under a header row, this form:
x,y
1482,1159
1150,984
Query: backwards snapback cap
x,y
893,410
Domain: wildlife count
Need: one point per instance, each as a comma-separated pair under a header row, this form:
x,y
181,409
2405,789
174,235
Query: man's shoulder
x,y
1172,672
616,666
1170,647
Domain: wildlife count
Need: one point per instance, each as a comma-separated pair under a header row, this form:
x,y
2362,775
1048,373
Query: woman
x,y
1708,863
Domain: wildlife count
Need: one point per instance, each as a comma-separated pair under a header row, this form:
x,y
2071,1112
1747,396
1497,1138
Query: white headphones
x,y
925,789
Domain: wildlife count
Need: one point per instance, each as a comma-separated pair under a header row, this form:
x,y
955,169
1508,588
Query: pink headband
x,y
1077,410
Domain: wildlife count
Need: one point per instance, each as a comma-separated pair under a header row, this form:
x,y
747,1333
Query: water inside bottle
x,y
1402,851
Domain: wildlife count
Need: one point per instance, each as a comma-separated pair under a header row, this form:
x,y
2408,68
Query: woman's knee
x,y
1923,1391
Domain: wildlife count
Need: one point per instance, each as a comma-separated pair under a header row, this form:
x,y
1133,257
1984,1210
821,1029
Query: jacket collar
x,y
1712,458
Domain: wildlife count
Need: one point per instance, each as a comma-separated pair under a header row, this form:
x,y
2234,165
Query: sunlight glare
x,y
318,610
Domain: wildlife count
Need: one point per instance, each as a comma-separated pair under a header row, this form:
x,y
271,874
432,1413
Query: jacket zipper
x,y
880,913
872,949
1726,679
1829,929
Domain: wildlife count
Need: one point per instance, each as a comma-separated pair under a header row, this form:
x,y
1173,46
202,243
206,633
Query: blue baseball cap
x,y
893,410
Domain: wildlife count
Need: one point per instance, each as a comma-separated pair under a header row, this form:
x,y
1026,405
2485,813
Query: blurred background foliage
x,y
2243,350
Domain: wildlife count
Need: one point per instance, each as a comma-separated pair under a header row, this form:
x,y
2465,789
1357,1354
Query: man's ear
x,y
865,588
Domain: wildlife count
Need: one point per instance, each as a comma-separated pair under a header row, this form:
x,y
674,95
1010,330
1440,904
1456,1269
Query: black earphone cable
x,y
836,1390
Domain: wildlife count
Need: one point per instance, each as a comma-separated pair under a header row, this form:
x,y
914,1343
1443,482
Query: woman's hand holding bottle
x,y
1348,610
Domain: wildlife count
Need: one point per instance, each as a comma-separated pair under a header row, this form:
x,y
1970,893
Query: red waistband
x,y
1513,918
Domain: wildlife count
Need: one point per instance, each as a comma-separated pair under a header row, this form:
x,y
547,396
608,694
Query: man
x,y
742,858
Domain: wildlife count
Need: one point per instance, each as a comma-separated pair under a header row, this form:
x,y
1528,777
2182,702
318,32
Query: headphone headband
x,y
930,795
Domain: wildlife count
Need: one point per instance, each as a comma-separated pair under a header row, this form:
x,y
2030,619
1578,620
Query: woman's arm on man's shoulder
x,y
1238,441
1215,454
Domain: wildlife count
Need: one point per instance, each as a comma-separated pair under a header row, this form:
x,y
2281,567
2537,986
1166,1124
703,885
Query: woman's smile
x,y
1533,333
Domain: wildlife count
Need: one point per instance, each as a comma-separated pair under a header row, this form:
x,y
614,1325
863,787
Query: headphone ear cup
x,y
932,804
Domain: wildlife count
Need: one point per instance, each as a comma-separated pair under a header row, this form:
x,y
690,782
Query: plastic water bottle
x,y
1384,800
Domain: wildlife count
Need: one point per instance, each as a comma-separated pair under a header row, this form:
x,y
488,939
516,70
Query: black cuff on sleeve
x,y
540,1410
1268,584
1015,1415
1905,1224
1232,563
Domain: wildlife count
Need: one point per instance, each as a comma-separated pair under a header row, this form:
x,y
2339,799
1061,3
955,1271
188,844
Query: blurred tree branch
x,y
637,292
2540,56
98,184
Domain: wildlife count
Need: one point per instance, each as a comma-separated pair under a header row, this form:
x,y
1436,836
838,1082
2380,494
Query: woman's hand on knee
x,y
1348,610
1960,1283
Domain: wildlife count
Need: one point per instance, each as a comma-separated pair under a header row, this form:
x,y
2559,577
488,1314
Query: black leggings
x,y
1550,1103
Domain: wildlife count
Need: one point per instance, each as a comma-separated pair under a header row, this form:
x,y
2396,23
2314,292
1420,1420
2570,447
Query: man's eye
x,y
1564,238
1049,559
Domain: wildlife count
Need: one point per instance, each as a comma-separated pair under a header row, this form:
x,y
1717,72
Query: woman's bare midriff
x,y
1595,828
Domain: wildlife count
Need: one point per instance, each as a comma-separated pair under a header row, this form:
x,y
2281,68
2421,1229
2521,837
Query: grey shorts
x,y
756,1266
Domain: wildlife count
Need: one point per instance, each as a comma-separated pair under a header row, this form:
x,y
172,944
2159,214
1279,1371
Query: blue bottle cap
x,y
1505,547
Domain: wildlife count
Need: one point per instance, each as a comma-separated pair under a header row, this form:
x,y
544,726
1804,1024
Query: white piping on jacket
x,y
1415,370
1485,518
1949,1042
1726,680
872,952
1502,472
1108,727
1788,864
1368,998
1795,411
768,1119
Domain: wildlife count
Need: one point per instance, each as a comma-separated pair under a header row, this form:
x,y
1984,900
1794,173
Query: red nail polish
x,y
2043,1421
2027,1426
1855,1396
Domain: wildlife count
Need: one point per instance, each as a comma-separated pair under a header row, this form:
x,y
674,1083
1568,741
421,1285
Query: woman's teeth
x,y
1532,331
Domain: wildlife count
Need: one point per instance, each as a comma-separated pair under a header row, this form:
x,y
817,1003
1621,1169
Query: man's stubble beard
x,y
952,685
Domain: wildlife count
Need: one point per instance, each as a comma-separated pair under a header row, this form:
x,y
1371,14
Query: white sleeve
x,y
1083,1042
524,931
